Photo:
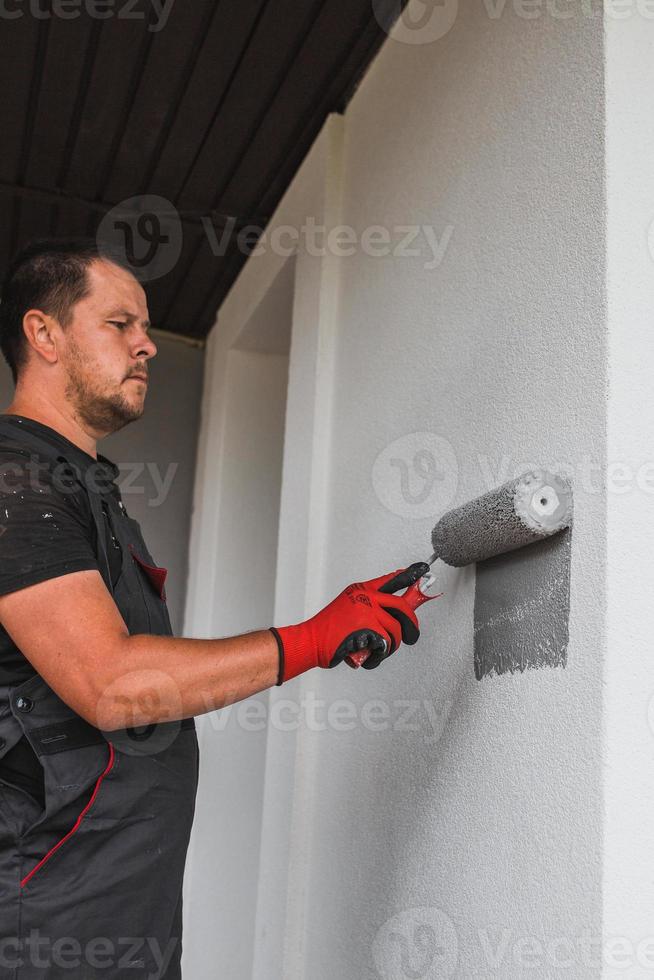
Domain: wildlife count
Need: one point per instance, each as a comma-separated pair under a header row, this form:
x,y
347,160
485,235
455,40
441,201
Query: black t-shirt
x,y
46,530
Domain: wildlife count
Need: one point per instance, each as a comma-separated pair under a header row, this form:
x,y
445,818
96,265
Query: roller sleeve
x,y
523,510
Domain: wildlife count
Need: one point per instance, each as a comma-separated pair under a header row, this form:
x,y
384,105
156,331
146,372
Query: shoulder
x,y
28,477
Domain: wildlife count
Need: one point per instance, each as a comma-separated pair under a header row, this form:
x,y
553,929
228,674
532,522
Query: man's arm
x,y
73,634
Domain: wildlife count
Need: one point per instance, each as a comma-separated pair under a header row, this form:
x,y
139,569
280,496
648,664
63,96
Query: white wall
x,y
478,802
223,864
629,688
497,131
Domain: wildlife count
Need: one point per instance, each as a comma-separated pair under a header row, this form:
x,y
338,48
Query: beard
x,y
98,408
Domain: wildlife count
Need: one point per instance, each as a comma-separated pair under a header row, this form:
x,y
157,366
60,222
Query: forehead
x,y
111,286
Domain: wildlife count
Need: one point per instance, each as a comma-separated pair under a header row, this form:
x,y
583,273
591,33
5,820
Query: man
x,y
98,749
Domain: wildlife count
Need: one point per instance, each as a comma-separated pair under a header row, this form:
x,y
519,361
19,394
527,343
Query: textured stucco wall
x,y
629,687
495,130
418,823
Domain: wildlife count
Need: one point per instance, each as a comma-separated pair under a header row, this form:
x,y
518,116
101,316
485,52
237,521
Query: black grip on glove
x,y
410,634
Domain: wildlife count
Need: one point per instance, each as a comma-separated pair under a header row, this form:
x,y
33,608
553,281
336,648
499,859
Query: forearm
x,y
165,678
147,679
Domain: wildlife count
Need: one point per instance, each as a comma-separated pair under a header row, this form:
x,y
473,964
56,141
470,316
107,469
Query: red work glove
x,y
360,617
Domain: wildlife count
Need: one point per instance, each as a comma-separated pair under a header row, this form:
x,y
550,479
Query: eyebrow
x,y
130,316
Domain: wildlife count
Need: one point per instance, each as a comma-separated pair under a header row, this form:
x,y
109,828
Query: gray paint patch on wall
x,y
522,608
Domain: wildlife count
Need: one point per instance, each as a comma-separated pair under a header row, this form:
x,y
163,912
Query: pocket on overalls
x,y
155,574
19,810
19,807
71,752
59,836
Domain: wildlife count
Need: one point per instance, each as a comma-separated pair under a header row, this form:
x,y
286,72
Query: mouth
x,y
137,377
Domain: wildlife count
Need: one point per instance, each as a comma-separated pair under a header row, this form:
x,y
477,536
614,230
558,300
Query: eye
x,y
118,323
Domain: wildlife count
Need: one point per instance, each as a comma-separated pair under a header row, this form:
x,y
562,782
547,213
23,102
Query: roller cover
x,y
526,509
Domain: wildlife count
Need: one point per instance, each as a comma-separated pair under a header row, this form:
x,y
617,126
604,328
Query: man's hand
x,y
361,617
73,634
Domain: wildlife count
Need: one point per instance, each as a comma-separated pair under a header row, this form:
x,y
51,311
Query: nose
x,y
145,347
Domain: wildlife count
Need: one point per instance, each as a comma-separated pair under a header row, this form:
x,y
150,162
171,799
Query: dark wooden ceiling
x,y
213,109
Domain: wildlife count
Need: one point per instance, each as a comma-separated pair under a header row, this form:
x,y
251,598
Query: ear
x,y
40,330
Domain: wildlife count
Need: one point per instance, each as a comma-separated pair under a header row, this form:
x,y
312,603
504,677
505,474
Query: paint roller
x,y
527,509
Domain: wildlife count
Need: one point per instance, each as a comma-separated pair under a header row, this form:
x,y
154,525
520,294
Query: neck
x,y
61,420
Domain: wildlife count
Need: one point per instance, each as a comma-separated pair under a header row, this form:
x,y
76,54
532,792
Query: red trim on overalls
x,y
156,574
77,823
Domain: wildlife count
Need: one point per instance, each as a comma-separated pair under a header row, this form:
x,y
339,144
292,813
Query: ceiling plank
x,y
68,58
275,44
18,42
331,65
215,113
122,50
158,99
199,105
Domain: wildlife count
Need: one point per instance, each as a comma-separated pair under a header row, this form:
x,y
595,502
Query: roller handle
x,y
410,577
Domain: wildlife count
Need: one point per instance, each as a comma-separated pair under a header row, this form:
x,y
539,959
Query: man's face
x,y
104,346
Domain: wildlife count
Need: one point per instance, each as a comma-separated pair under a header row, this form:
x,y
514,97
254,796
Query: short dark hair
x,y
49,274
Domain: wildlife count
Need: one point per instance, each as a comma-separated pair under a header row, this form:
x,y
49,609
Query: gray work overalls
x,y
91,885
